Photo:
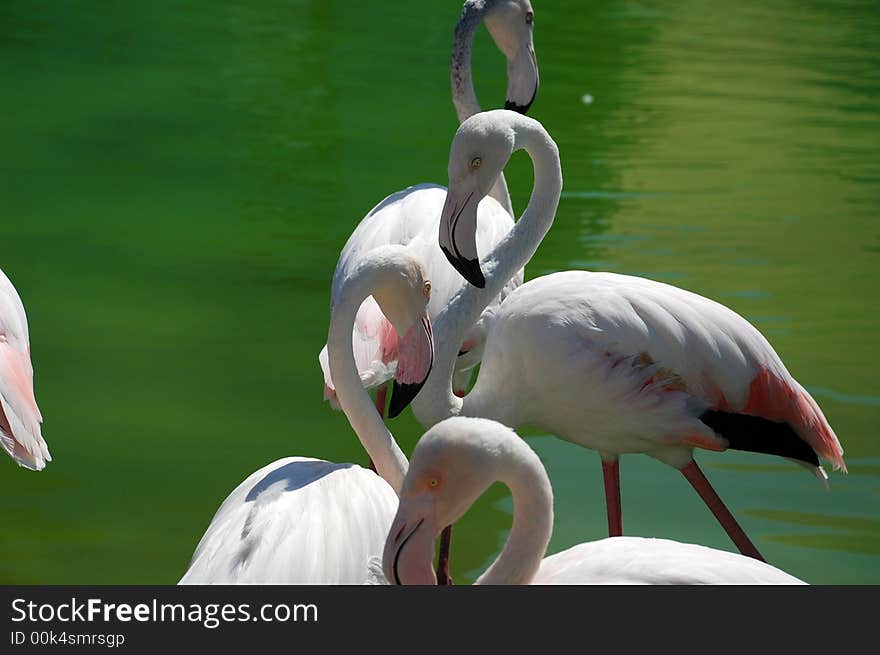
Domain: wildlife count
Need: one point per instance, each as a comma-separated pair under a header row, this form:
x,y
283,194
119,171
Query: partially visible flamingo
x,y
307,521
615,363
410,217
453,465
20,418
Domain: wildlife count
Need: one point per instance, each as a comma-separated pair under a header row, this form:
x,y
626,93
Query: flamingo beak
x,y
415,357
458,234
523,80
409,550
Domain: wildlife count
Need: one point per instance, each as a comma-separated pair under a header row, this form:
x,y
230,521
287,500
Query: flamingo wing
x,y
297,521
20,418
714,353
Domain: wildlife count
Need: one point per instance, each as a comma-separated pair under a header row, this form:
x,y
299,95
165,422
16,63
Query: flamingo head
x,y
480,150
450,468
510,23
402,292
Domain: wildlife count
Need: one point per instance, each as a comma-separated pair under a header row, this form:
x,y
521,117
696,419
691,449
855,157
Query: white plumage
x,y
641,560
296,521
640,361
20,418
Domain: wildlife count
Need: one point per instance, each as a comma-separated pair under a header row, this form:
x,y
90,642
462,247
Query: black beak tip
x,y
401,396
469,269
520,109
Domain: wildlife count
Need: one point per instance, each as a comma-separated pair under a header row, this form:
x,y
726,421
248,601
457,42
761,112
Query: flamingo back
x,y
297,521
638,560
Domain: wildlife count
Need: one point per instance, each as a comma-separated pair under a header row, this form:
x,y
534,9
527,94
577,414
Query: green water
x,y
177,179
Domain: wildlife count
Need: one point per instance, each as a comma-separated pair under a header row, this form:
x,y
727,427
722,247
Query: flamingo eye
x,y
476,162
530,17
433,483
426,290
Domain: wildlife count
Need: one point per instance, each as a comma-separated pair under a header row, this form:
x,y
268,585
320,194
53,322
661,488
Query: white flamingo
x,y
20,418
456,461
615,363
308,521
410,217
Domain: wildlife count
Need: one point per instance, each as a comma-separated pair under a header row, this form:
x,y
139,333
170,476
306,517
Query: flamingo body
x,y
297,521
641,361
20,418
640,560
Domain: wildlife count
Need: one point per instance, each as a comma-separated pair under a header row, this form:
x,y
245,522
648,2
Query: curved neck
x,y
463,95
436,400
527,542
379,443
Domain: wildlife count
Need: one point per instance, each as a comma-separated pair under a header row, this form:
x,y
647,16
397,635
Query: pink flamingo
x,y
615,363
20,417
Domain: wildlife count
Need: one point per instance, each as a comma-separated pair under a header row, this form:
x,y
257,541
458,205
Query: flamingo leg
x,y
701,485
611,473
381,397
443,577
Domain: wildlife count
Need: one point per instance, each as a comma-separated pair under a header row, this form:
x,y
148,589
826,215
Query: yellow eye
x,y
476,162
433,482
426,290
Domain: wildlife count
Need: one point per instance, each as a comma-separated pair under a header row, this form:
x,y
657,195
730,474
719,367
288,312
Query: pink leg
x,y
381,397
611,473
699,482
443,577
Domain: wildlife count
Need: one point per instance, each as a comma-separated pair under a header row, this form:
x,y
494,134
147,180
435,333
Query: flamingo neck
x,y
436,401
520,559
390,462
463,95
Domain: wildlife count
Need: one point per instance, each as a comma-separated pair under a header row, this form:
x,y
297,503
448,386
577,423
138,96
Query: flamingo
x,y
308,521
20,418
410,217
456,461
615,363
